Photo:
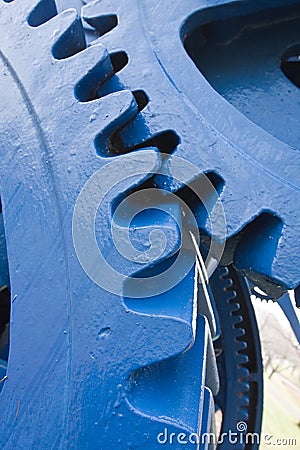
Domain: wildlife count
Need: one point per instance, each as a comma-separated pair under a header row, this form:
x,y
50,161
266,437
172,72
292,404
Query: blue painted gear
x,y
84,369
67,371
259,191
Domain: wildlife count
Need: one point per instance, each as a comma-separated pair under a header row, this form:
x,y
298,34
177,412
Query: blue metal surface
x,y
109,370
240,57
259,172
82,386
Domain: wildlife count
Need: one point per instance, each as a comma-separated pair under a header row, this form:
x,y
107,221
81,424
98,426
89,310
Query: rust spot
x,y
18,409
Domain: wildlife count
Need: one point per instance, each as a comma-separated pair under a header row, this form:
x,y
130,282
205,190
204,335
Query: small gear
x,y
238,354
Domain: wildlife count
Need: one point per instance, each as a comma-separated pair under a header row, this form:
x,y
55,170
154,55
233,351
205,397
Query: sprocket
x,y
238,356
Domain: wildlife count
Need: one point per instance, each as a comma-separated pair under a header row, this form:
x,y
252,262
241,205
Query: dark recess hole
x,y
119,60
4,320
141,99
166,142
71,42
290,64
205,188
44,11
98,83
103,24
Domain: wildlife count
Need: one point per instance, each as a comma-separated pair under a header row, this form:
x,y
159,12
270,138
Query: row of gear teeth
x,y
158,347
239,355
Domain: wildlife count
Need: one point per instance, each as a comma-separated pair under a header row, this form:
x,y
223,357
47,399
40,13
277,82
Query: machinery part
x,y
287,304
238,153
95,375
239,356
115,350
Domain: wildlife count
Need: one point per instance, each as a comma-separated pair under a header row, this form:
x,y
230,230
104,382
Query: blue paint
x,y
241,58
108,370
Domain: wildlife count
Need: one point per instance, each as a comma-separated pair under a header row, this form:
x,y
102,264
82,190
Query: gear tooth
x,y
243,358
231,201
244,400
237,319
236,216
67,34
100,118
244,414
42,12
84,72
234,307
102,22
244,386
240,332
150,396
261,256
230,295
133,287
224,273
122,107
265,242
243,373
125,108
98,68
169,346
241,345
96,9
229,284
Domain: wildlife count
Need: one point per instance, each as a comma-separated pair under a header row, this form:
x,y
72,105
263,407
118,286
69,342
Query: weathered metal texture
x,y
258,174
105,370
83,365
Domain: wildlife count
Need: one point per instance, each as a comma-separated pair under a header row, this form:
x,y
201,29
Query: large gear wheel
x,y
210,132
87,367
108,371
